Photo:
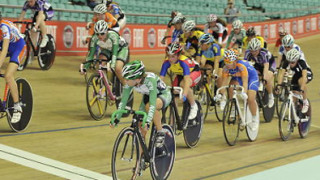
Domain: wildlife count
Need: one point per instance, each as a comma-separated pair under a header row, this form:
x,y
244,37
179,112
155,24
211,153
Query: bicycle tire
x,y
231,124
304,127
217,110
268,113
285,124
99,97
24,62
164,157
280,98
125,157
252,134
194,129
46,55
172,119
26,100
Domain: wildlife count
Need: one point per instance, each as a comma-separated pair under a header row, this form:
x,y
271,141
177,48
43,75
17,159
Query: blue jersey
x,y
211,53
176,35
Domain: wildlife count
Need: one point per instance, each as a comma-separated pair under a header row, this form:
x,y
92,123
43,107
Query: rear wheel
x,y
96,97
231,122
125,155
47,54
163,157
305,122
267,112
26,102
285,121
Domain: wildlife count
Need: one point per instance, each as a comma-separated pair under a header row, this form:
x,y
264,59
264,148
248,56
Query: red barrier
x,y
145,39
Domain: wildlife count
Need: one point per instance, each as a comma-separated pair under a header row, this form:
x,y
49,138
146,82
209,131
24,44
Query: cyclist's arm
x,y
124,99
217,51
203,61
164,69
187,83
152,86
244,76
23,13
225,79
92,49
229,40
4,51
265,69
115,47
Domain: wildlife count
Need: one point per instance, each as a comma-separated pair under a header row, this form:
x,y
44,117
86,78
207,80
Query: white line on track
x,y
48,165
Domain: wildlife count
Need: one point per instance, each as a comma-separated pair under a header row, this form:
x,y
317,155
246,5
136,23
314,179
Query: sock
x,y
271,95
16,105
254,118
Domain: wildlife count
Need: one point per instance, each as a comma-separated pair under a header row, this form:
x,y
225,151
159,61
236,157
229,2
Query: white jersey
x,y
283,51
218,28
9,31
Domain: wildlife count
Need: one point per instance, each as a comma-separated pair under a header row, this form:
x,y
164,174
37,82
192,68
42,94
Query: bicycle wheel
x,y
305,122
194,128
163,158
47,54
252,133
280,98
96,97
217,110
267,112
26,102
231,122
285,123
172,119
125,155
24,62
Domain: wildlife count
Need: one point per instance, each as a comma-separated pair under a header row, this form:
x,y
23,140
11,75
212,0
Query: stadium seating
x,y
186,7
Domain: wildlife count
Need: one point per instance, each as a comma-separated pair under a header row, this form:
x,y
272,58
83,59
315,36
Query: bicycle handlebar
x,y
231,86
97,60
130,112
22,22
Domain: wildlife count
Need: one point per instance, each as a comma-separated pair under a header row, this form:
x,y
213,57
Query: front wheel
x,y
163,157
252,130
305,122
47,54
26,102
125,155
96,97
285,121
231,122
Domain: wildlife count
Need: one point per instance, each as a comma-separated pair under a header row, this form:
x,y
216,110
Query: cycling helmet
x,y
206,39
101,27
237,24
100,9
108,2
212,18
173,48
287,40
178,19
282,32
293,55
230,55
174,13
251,31
188,26
133,70
254,44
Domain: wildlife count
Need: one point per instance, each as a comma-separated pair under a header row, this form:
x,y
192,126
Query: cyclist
x,y
187,75
218,27
264,63
190,38
156,95
241,72
251,33
282,33
235,39
287,44
112,45
210,55
177,24
12,45
166,35
42,12
302,74
116,11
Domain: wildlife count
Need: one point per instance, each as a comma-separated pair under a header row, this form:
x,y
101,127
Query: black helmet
x,y
109,2
251,31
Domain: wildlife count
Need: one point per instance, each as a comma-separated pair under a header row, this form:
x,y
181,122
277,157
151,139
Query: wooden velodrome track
x,y
62,129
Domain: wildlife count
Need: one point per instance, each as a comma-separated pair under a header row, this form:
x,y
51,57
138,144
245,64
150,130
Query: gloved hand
x,y
34,29
244,95
88,25
82,70
115,122
163,41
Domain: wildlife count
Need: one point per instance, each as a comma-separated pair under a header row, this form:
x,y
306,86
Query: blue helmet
x,y
206,39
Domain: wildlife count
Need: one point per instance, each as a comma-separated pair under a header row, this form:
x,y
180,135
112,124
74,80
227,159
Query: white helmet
x,y
254,44
100,8
188,26
293,55
237,24
287,40
178,19
212,18
101,27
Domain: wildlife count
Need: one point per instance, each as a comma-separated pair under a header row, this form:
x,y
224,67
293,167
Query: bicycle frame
x,y
292,107
28,36
174,105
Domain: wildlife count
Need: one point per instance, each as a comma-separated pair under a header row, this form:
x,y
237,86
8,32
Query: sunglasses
x,y
228,62
101,34
287,47
292,62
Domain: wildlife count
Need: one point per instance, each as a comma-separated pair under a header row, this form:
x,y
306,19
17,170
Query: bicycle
x,y
236,119
46,55
205,93
127,159
283,91
291,116
100,92
191,128
26,103
263,100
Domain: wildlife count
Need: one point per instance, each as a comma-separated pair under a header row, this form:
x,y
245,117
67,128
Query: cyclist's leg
x,y
122,59
122,22
253,86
